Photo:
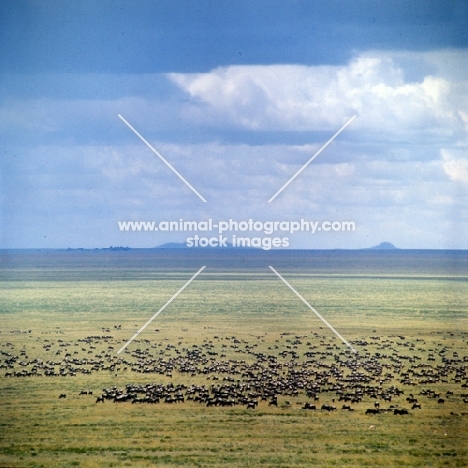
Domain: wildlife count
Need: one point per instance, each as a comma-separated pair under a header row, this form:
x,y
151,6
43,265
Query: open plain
x,y
237,371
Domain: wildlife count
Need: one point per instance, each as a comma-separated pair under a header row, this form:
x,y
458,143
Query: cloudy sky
x,y
237,95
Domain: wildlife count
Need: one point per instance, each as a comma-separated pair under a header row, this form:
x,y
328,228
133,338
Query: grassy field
x,y
405,323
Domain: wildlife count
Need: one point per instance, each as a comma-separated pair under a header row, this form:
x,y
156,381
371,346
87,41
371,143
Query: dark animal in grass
x,y
372,411
309,406
100,399
63,395
400,411
440,401
328,408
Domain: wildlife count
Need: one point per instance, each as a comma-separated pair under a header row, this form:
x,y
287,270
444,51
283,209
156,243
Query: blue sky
x,y
237,95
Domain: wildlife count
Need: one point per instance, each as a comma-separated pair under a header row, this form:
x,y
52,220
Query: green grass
x,y
38,429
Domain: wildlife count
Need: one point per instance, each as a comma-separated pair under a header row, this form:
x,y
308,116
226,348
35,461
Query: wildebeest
x,y
309,406
400,411
269,376
63,395
372,411
326,407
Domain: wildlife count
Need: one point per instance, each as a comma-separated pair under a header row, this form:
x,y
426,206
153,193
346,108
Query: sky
x,y
237,96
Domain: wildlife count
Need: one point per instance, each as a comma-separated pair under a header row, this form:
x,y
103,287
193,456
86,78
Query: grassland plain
x,y
66,314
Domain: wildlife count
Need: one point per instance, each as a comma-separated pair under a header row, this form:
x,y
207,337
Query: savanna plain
x,y
236,371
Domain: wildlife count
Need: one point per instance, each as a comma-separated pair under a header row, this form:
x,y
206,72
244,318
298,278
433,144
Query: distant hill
x,y
384,246
111,249
172,245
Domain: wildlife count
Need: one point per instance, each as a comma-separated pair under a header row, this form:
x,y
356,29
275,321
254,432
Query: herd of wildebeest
x,y
390,374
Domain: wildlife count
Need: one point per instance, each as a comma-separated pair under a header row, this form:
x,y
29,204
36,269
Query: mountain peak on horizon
x,y
384,246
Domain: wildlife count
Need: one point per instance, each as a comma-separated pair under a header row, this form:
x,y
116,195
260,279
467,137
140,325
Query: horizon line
x,y
254,249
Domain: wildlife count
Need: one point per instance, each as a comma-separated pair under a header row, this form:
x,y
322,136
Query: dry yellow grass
x,y
38,429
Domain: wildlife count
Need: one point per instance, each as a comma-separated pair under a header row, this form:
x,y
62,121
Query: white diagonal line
x,y
313,310
161,309
311,159
160,157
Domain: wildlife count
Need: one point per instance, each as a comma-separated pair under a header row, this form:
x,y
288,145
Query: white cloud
x,y
455,167
73,160
90,187
294,97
